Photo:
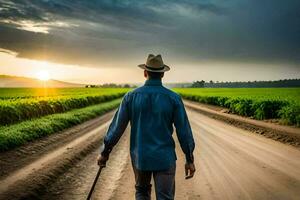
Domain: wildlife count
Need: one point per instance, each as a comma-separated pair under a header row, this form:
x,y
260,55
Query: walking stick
x,y
95,182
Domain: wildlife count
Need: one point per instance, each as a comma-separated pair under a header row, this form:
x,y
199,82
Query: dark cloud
x,y
117,12
89,32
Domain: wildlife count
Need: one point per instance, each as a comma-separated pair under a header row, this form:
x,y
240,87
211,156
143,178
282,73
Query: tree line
x,y
247,84
111,85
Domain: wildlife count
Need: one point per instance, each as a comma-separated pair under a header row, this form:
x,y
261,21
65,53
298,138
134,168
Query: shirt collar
x,y
153,82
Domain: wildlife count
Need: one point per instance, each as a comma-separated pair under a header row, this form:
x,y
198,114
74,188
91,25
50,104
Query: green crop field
x,y
259,103
26,131
27,114
17,105
24,93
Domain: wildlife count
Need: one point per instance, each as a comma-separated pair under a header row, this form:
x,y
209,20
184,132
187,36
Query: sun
x,y
43,75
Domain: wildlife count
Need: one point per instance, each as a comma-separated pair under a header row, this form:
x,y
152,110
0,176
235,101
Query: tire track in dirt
x,y
15,159
76,182
30,180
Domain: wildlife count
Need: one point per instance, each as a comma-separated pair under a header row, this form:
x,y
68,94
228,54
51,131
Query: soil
x,y
28,175
285,134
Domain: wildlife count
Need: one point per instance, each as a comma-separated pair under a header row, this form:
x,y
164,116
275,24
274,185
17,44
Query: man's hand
x,y
189,170
102,160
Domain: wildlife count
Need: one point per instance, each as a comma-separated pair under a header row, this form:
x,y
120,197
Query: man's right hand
x,y
102,160
189,170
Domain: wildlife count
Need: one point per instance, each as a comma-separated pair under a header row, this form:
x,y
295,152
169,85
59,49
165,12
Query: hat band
x,y
151,68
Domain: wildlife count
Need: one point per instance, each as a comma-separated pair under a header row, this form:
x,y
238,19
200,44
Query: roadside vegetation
x,y
25,93
17,105
259,103
18,134
30,113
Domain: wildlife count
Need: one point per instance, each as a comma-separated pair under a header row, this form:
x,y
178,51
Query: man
x,y
152,110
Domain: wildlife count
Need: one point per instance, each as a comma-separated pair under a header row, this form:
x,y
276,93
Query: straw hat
x,y
154,64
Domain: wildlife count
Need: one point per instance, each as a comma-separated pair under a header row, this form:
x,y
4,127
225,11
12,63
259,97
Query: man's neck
x,y
153,81
154,78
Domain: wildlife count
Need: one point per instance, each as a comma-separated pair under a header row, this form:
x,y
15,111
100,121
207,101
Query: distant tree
x,y
198,84
247,84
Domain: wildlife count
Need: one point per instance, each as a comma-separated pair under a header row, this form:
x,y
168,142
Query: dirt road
x,y
231,164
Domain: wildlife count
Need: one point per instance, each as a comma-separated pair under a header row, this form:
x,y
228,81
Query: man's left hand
x,y
189,170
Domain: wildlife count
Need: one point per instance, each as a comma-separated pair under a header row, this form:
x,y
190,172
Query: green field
x,y
17,105
29,130
28,114
259,103
42,93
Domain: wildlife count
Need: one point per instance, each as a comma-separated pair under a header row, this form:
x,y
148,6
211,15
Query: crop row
x,y
12,111
18,134
27,93
288,111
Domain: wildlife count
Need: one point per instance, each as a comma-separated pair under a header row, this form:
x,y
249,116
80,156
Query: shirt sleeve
x,y
116,128
184,131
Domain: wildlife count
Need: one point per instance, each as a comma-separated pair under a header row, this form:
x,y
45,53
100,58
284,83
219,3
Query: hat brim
x,y
143,66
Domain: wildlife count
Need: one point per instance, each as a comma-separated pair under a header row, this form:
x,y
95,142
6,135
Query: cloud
x,y
126,14
107,32
8,52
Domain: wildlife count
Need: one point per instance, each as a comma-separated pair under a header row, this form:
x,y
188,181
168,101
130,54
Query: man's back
x,y
151,110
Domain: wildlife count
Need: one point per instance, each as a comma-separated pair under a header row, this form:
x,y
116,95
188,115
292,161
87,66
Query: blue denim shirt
x,y
152,110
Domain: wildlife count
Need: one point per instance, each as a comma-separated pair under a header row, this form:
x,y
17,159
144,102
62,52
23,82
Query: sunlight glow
x,y
43,75
12,65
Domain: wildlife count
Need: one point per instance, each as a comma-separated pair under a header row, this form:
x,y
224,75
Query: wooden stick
x,y
95,182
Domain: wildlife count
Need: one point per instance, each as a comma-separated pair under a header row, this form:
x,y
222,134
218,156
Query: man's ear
x,y
145,74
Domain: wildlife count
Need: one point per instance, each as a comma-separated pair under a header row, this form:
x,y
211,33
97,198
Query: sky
x,y
103,41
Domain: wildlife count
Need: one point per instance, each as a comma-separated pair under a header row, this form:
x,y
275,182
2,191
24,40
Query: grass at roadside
x,y
15,109
259,103
42,93
26,131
